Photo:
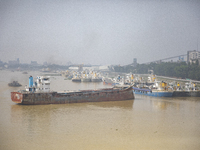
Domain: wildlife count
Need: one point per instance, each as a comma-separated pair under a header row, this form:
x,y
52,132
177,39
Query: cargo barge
x,y
39,93
190,90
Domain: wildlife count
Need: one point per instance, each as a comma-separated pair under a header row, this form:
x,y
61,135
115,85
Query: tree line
x,y
170,69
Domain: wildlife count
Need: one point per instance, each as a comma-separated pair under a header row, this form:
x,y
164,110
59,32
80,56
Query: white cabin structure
x,y
42,84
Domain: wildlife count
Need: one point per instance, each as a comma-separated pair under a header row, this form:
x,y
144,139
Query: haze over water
x,y
142,123
97,32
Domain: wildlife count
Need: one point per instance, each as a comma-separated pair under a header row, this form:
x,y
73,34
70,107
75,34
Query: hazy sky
x,y
97,31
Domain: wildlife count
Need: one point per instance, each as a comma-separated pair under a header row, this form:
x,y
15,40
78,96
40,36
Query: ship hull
x,y
96,80
85,80
72,97
76,80
186,94
155,94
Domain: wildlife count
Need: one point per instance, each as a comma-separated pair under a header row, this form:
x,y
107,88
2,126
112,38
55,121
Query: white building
x,y
192,56
104,68
74,68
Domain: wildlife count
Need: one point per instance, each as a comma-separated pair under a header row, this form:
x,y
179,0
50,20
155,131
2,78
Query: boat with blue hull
x,y
158,89
155,93
155,88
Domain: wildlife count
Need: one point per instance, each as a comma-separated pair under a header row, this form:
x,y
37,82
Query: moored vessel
x,y
85,79
154,93
113,81
158,89
108,81
76,78
190,90
96,78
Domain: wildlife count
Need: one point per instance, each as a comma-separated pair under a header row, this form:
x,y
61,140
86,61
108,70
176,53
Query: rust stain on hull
x,y
111,94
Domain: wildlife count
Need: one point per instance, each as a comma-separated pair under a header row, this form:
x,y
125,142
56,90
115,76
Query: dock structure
x,y
169,58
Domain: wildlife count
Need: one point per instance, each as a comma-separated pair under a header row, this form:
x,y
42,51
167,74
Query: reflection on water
x,y
44,116
142,123
23,112
176,103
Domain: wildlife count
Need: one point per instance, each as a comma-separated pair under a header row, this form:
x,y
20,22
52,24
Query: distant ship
x,y
14,84
76,78
115,81
85,77
96,78
108,81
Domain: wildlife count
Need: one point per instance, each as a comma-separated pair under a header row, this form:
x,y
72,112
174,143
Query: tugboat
x,y
14,84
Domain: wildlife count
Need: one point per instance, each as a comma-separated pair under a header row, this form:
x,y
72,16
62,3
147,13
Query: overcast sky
x,y
97,31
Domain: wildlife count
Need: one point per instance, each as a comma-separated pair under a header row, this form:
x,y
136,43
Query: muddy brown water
x,y
143,123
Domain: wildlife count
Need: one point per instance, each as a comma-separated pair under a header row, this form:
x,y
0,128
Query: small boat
x,y
39,93
14,84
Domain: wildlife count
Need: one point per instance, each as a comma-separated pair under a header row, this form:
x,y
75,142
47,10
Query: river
x,y
145,123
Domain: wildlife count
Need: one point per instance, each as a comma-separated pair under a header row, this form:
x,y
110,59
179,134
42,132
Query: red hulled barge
x,y
39,93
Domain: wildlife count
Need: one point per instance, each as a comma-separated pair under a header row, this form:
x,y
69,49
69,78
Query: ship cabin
x,y
42,84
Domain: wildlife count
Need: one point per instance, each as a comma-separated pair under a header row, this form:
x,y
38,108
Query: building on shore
x,y
134,62
193,56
